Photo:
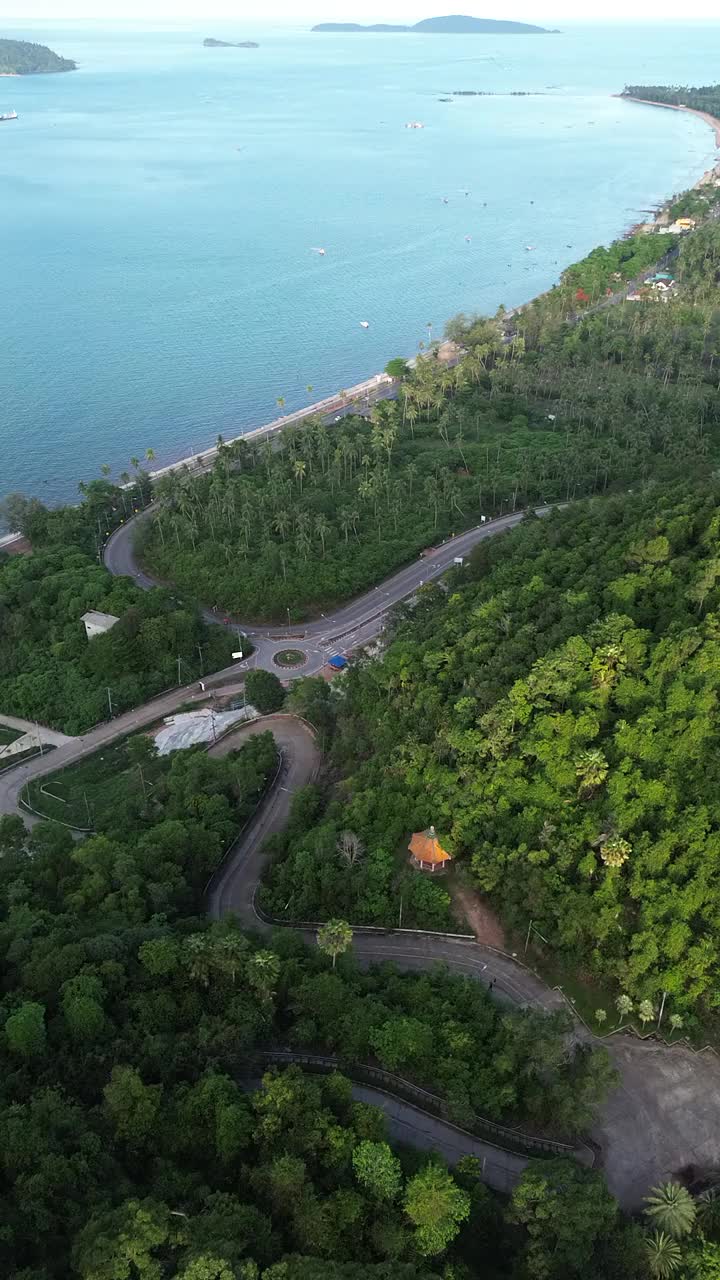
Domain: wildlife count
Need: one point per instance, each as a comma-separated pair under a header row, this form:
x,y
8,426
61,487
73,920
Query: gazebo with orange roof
x,y
427,852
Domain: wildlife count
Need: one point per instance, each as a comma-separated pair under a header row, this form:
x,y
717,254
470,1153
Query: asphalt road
x,y
355,623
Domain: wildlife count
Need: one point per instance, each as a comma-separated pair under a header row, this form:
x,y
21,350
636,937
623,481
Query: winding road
x,y
665,1113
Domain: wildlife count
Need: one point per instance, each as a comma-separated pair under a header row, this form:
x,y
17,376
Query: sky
x,y
307,12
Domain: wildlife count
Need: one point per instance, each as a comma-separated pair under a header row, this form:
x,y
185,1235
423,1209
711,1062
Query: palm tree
x,y
600,1016
281,522
591,768
615,851
663,1254
676,1021
135,463
299,469
645,1014
124,477
105,469
334,938
671,1209
322,529
624,1006
280,402
149,455
707,1208
309,388
262,973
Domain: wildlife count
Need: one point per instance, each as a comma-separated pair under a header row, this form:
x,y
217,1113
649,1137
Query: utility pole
x,y
662,1010
527,937
37,730
110,705
202,669
178,662
400,920
288,616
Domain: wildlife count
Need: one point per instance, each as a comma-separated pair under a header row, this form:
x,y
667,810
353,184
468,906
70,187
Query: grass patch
x,y
289,658
84,793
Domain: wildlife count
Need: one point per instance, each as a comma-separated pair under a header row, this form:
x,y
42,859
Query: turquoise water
x,y
161,204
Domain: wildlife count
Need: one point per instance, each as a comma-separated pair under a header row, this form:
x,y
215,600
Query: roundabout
x,y
288,658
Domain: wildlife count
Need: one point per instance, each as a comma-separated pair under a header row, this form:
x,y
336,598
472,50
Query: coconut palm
x,y
663,1254
677,1021
299,469
671,1209
149,455
600,1016
334,938
322,528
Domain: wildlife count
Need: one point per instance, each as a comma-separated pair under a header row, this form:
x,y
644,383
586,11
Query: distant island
x,y
454,24
22,58
229,44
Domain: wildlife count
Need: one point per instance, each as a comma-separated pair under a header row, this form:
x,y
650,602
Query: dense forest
x,y
543,408
136,1137
23,58
703,98
555,718
49,670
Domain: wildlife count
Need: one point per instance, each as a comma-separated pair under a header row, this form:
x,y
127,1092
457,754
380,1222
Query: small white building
x,y
96,624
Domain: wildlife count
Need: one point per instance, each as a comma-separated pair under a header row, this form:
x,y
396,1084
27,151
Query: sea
x,y
162,208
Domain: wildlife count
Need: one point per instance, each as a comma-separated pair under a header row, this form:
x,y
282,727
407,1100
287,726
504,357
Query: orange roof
x,y
425,847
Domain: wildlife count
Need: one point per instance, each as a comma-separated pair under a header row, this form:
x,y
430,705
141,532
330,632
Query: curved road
x,y
354,624
664,1115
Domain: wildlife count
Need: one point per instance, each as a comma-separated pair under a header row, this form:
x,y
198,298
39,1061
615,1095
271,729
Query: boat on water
x,y
414,124
364,324
320,251
8,115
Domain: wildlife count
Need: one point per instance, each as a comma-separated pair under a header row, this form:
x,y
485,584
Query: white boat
x,y
530,248
9,115
468,239
364,324
320,251
414,124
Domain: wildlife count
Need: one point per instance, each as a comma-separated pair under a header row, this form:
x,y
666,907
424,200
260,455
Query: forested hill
x,y
452,24
704,98
23,58
556,718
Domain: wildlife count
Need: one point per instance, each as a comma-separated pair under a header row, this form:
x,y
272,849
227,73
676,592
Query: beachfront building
x,y
427,853
96,623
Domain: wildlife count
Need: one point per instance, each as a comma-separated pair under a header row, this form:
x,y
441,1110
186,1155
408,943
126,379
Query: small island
x,y
453,24
22,58
229,44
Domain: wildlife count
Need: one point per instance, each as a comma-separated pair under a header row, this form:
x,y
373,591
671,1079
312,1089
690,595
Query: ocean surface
x,y
158,284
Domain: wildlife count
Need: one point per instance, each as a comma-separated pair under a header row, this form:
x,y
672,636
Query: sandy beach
x,y
671,106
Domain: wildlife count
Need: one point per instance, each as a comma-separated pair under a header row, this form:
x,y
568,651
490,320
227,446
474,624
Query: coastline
x,y
378,385
712,121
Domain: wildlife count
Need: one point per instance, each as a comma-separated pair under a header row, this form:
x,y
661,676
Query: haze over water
x,y
161,205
